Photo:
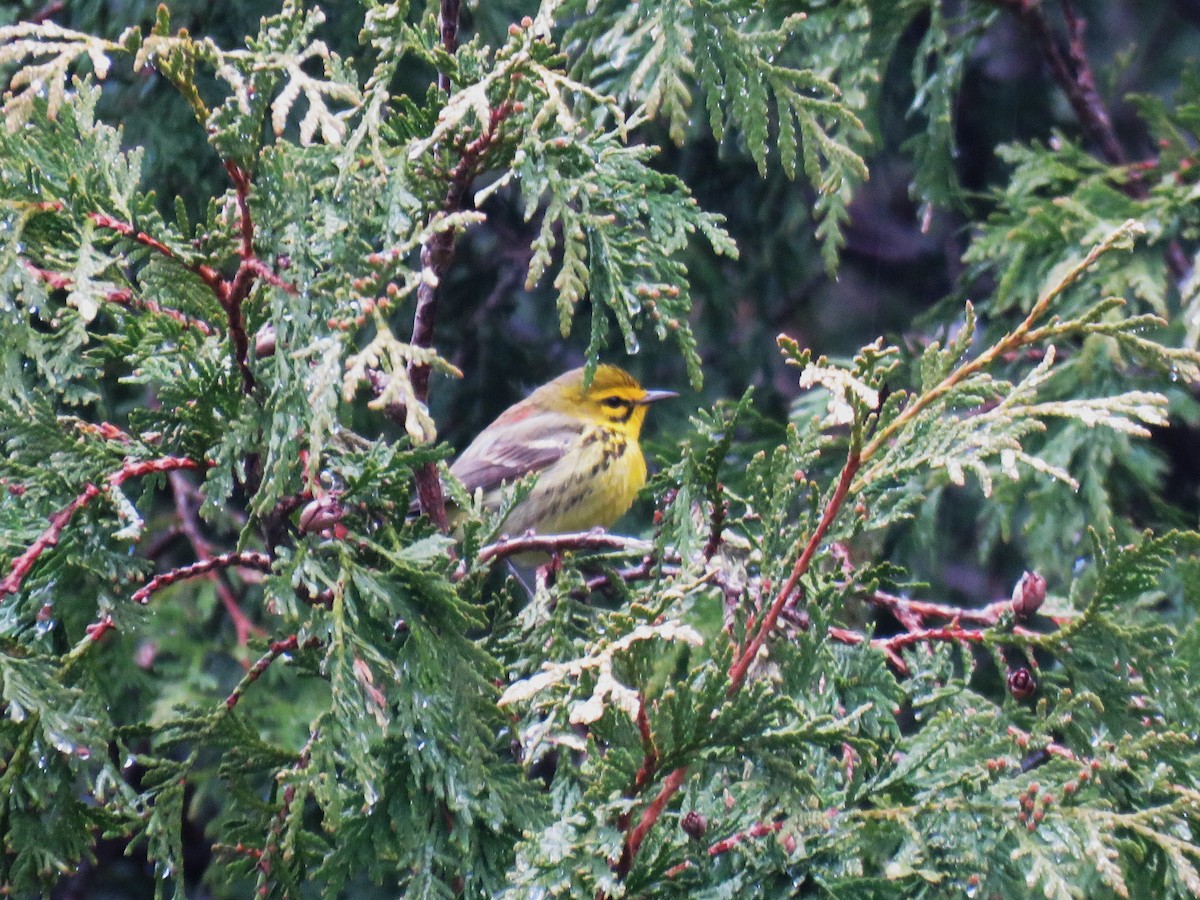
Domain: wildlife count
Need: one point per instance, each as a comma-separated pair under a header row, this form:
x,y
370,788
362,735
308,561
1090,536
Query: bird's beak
x,y
655,396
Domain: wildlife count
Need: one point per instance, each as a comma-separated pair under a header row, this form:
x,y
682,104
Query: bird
x,y
581,442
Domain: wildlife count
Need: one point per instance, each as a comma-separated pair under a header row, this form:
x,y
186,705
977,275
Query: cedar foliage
x,y
220,628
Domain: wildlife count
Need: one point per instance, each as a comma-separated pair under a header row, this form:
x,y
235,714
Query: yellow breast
x,y
594,484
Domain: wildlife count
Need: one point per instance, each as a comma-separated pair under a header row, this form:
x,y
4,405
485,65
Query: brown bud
x,y
1029,594
264,341
1021,683
320,514
693,824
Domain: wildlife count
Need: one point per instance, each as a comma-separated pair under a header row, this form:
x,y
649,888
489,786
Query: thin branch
x,y
51,9
230,293
924,609
235,292
556,544
741,666
50,537
121,297
649,764
289,796
275,650
190,524
760,829
634,839
649,567
437,254
716,524
249,559
448,17
1071,71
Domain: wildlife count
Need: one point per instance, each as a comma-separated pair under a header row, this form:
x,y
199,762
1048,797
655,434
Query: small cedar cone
x,y
693,824
1021,683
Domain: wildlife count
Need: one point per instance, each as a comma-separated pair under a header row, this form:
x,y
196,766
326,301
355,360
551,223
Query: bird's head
x,y
614,398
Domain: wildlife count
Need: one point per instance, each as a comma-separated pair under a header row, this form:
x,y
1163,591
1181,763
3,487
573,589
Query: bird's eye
x,y
613,402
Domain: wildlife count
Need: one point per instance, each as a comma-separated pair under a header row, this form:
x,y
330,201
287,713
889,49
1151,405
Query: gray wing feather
x,y
530,445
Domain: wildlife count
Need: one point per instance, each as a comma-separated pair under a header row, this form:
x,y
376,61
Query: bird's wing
x,y
501,455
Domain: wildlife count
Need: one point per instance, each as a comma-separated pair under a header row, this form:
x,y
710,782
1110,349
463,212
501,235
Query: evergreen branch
x,y
741,666
190,524
39,39
271,848
557,544
1014,340
122,297
437,254
59,521
275,650
230,293
634,839
759,829
248,559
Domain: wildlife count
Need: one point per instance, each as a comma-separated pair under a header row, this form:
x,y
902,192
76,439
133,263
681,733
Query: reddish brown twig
x,y
122,297
634,839
924,610
437,254
448,16
741,666
230,293
649,764
275,650
50,537
103,220
271,848
596,539
649,567
190,526
51,9
760,829
249,559
892,645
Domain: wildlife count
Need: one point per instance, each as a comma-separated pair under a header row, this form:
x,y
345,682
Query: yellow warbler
x,y
582,443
